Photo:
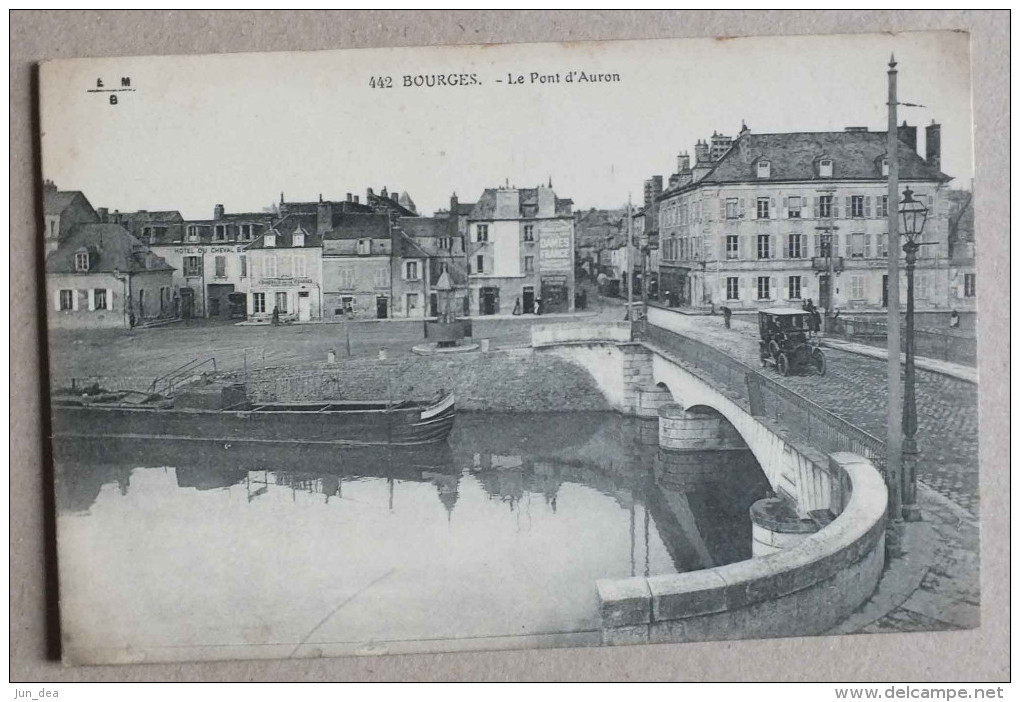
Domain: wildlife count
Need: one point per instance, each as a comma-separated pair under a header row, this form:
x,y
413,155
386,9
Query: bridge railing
x,y
764,397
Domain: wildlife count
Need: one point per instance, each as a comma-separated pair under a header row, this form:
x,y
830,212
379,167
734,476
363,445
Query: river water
x,y
175,550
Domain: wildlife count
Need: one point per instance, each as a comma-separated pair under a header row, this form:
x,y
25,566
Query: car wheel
x,y
783,364
819,360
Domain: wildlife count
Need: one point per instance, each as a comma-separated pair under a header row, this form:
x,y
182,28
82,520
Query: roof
x,y
485,208
150,215
424,226
360,226
388,202
410,248
56,201
113,247
285,230
794,156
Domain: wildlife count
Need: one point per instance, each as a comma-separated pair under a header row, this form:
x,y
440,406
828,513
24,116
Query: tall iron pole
x,y
894,418
630,267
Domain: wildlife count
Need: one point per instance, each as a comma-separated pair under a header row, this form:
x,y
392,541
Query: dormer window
x,y
270,240
885,167
221,232
764,169
364,246
299,238
825,168
81,261
192,233
245,232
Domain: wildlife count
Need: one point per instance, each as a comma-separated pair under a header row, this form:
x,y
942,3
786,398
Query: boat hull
x,y
293,422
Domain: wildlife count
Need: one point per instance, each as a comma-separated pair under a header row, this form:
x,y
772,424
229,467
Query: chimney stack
x,y
702,150
49,186
104,214
384,192
453,224
218,212
357,199
369,194
933,145
908,135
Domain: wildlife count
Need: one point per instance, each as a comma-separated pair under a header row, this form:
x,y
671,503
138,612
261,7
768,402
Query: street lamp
x,y
913,215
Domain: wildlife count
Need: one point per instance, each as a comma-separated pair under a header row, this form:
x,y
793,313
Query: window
x,y
795,246
269,263
923,285
883,206
857,245
529,264
793,207
732,208
857,287
382,277
346,278
270,240
99,299
244,266
794,287
298,239
885,166
763,287
412,302
825,206
480,264
969,284
764,169
482,232
733,288
300,266
825,168
857,206
192,233
411,270
281,302
221,266
529,232
732,246
245,232
66,300
258,303
364,246
445,242
346,304
192,266
220,232
763,245
763,208
882,245
81,262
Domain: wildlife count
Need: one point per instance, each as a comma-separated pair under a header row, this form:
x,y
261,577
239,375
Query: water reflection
x,y
693,504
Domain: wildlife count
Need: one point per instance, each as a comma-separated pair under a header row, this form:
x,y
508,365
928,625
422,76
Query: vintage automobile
x,y
785,341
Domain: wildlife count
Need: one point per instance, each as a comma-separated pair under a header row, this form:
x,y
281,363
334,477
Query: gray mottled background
x,y
981,654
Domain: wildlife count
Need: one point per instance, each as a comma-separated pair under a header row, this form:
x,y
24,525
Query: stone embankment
x,y
508,380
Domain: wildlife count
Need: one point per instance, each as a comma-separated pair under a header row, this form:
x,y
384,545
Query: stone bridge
x,y
819,544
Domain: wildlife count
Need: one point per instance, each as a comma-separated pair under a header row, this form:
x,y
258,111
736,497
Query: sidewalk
x,y
418,320
953,370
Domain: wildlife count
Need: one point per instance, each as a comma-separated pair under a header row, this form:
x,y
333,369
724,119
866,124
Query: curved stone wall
x,y
806,589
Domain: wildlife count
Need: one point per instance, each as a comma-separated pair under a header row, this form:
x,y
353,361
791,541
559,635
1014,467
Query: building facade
x,y
102,277
284,269
748,225
521,250
211,272
444,239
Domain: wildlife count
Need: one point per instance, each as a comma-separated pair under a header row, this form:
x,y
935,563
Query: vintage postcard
x,y
515,346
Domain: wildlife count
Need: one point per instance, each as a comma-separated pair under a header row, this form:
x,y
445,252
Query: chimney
x,y
395,196
653,188
384,192
323,217
104,213
701,152
357,199
218,212
933,145
908,135
350,198
453,223
369,195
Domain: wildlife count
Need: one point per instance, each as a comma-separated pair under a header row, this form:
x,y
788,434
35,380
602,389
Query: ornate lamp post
x,y
913,215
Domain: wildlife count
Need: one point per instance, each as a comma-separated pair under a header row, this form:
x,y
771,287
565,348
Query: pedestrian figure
x,y
954,320
584,299
538,306
276,316
517,307
726,314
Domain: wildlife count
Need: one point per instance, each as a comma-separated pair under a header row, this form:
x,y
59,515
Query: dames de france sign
x,y
556,250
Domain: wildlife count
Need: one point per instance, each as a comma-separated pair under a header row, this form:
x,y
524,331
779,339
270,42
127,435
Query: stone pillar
x,y
650,399
681,430
775,526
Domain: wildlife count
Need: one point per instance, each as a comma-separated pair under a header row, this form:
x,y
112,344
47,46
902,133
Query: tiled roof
x,y
360,226
285,229
424,226
56,201
485,208
794,156
113,249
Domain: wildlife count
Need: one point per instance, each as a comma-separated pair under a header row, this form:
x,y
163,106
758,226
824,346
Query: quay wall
x,y
509,380
803,590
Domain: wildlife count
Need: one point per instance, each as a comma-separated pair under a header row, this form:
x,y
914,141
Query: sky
x,y
239,129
